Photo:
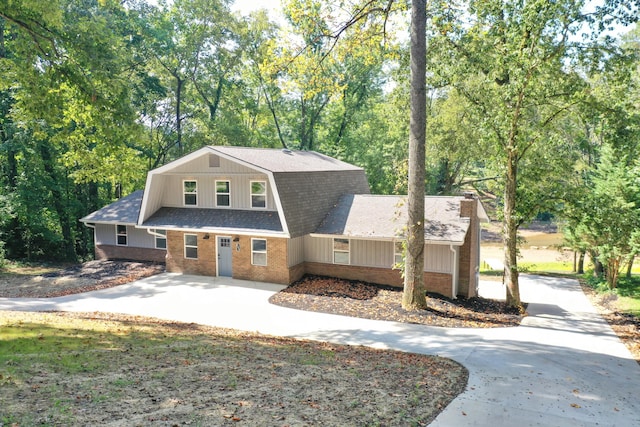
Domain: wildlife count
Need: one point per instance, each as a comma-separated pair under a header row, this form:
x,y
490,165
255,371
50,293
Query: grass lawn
x,y
95,368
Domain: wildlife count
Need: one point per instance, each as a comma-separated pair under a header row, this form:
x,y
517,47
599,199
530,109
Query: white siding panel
x,y
295,254
438,259
138,238
317,249
240,190
105,234
371,253
201,165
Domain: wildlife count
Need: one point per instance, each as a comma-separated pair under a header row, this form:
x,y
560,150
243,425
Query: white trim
x,y
184,192
333,251
126,235
214,230
266,261
228,193
266,194
184,241
454,273
157,235
218,237
383,239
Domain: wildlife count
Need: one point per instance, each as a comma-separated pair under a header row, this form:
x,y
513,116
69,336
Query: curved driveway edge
x,y
563,366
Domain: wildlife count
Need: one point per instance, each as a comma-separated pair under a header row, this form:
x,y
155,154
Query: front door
x,y
224,256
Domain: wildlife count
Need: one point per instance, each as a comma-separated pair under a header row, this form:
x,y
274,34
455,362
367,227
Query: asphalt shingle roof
x,y
285,160
122,211
207,219
383,217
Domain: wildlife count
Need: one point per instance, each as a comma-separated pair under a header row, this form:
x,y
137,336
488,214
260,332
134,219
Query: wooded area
x,y
532,104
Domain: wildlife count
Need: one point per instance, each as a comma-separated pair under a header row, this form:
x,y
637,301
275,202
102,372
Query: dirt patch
x,y
96,369
369,301
90,276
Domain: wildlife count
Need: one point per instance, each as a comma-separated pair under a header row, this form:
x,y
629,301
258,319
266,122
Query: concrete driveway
x,y
563,366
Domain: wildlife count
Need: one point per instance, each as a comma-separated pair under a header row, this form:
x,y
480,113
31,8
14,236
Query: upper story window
x,y
121,235
223,193
341,251
190,190
161,239
258,194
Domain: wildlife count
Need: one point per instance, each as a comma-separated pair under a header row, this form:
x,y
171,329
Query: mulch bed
x,y
378,302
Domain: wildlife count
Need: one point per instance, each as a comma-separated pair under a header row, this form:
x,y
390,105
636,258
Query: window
x,y
341,251
223,194
258,252
191,246
161,241
398,253
121,235
190,189
258,194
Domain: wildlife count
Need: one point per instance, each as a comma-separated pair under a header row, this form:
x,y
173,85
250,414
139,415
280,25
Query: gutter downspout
x,y
454,275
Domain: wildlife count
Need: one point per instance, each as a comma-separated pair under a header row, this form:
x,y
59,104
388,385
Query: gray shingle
x,y
285,160
384,217
122,211
307,198
206,219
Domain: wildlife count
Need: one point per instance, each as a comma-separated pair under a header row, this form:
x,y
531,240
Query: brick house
x,y
274,215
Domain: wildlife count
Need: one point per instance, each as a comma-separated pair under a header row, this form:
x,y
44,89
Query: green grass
x,y
546,267
627,292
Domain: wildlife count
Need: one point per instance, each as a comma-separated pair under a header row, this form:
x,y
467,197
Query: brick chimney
x,y
470,250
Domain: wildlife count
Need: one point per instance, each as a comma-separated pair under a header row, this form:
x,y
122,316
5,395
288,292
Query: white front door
x,y
224,256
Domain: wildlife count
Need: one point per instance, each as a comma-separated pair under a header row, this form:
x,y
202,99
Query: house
x,y
274,215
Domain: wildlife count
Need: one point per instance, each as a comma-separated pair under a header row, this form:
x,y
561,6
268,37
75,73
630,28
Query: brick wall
x,y
127,252
276,270
434,282
205,265
468,254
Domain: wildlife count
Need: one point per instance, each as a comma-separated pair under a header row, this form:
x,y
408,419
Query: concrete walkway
x,y
563,367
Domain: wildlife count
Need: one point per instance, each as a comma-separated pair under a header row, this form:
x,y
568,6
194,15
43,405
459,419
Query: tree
x,y
516,64
413,296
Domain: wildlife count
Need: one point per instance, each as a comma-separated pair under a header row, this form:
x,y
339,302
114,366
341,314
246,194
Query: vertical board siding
x,y
371,253
139,238
136,238
318,249
438,259
375,253
295,252
105,234
240,190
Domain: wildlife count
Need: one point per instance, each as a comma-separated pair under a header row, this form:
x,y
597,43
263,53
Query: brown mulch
x,y
89,276
378,302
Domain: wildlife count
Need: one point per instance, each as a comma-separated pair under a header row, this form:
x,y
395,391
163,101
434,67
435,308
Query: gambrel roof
x,y
314,194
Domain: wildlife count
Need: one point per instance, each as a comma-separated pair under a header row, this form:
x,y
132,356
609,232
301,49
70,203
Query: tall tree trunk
x,y
69,250
413,296
630,264
580,269
510,231
179,86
